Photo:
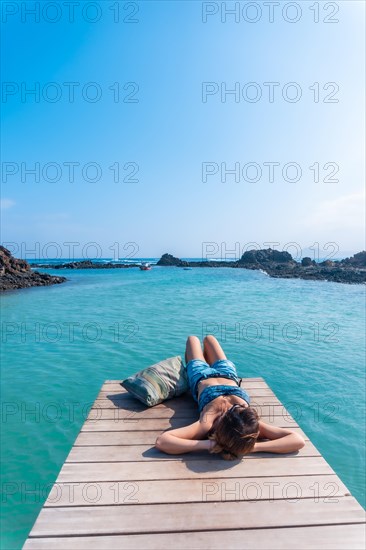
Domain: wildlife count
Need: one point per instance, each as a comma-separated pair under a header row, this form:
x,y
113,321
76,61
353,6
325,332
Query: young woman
x,y
227,423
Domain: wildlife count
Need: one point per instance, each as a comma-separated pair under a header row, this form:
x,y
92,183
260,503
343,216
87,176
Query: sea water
x,y
59,344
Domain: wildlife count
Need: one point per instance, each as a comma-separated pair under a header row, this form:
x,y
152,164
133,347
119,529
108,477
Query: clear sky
x,y
143,89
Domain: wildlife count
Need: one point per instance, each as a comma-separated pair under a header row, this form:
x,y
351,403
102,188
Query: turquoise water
x,y
60,343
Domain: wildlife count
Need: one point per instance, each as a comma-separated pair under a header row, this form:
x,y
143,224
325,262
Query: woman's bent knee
x,y
210,338
193,338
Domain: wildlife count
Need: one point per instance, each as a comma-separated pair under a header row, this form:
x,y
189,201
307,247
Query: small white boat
x,y
145,266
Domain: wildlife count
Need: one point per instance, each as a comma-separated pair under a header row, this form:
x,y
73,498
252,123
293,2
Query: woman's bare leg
x,y
193,349
212,350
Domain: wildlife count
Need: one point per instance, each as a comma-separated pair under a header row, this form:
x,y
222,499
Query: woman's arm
x,y
184,440
281,440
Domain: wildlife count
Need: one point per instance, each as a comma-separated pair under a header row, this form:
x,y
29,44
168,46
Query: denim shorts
x,y
198,370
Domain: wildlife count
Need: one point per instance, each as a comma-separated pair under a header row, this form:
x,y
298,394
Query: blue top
x,y
210,393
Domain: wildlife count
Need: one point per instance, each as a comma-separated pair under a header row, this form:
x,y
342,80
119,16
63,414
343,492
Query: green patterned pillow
x,y
161,381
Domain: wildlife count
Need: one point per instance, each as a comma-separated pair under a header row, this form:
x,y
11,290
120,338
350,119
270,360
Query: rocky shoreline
x,y
85,264
16,274
275,263
281,265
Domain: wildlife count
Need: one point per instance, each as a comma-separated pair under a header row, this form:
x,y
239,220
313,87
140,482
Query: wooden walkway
x,y
116,491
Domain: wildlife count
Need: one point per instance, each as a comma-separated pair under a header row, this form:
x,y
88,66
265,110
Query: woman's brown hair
x,y
235,432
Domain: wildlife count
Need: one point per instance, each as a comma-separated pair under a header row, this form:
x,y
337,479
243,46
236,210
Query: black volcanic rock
x,y
357,260
169,260
306,262
86,264
328,263
279,264
265,256
16,273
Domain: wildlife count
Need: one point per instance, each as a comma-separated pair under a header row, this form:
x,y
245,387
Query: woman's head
x,y
235,432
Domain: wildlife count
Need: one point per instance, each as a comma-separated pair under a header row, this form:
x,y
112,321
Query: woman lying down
x,y
227,423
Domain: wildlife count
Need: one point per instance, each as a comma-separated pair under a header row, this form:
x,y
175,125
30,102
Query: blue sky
x,y
169,132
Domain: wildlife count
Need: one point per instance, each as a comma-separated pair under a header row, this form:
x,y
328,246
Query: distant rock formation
x,y
168,259
279,264
273,262
85,264
357,260
265,256
16,273
306,262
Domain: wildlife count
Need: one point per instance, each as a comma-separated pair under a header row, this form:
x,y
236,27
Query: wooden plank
x,y
177,404
211,516
326,537
190,468
117,438
259,392
134,424
213,489
136,453
98,413
130,438
122,413
247,383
